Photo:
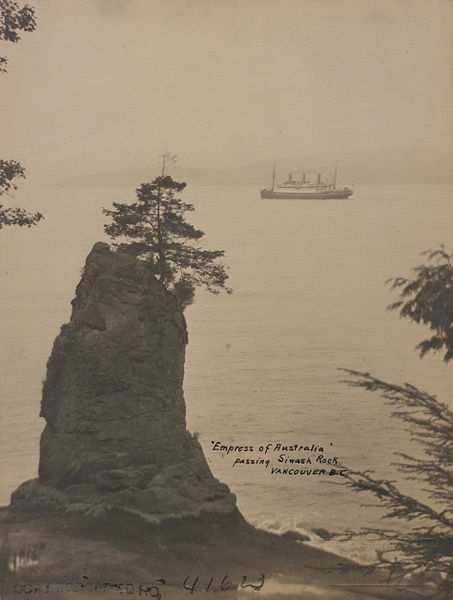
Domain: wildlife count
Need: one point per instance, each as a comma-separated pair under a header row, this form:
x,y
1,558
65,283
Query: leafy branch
x,y
14,19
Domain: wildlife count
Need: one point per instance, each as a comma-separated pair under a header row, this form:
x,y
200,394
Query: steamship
x,y
298,187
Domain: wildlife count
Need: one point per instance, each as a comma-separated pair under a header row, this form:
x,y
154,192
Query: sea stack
x,y
113,398
113,401
125,500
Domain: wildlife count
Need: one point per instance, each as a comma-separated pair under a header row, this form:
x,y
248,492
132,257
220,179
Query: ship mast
x,y
335,177
273,178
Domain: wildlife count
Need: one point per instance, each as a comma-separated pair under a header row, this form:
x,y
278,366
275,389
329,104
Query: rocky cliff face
x,y
113,399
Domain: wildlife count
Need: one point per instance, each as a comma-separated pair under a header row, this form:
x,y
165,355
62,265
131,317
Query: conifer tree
x,y
424,547
154,229
428,299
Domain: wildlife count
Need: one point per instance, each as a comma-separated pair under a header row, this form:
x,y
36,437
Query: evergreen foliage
x,y
154,229
428,299
425,548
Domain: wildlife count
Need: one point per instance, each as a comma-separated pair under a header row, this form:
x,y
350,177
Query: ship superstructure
x,y
299,187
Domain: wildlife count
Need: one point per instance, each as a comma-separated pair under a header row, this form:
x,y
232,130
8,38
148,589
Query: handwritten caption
x,y
151,589
283,459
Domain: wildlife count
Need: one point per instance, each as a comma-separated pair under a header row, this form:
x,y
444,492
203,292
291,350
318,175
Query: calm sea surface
x,y
309,297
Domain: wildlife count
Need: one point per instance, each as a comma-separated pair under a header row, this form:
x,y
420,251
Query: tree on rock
x,y
154,228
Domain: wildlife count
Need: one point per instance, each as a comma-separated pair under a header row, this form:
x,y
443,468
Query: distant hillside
x,y
386,166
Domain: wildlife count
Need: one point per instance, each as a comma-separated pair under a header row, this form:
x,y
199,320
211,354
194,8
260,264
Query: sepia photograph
x,y
226,276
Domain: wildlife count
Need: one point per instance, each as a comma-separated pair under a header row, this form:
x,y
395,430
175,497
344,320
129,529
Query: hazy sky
x,y
108,84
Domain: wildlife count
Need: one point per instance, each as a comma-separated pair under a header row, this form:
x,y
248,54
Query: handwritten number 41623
x,y
192,583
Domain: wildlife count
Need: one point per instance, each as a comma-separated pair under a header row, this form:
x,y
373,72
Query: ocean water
x,y
262,364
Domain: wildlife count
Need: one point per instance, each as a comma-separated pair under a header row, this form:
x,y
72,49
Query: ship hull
x,y
307,194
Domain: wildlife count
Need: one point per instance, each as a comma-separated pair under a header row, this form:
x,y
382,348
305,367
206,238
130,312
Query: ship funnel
x,y
318,181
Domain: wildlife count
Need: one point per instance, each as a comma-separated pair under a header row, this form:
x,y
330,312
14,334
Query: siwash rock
x,y
113,401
